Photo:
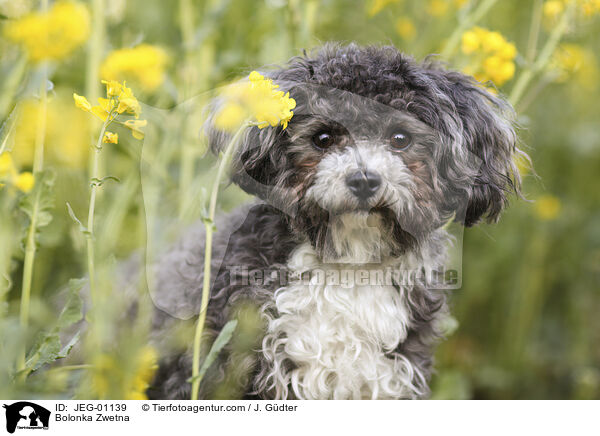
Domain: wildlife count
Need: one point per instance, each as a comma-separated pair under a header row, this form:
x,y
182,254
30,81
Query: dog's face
x,y
380,152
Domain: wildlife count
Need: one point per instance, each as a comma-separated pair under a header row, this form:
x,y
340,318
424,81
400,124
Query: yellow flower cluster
x,y
590,7
110,138
547,207
435,8
572,60
24,181
492,57
438,8
257,100
144,65
120,100
51,35
109,378
60,149
552,9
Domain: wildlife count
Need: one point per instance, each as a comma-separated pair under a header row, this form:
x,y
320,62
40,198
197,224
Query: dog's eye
x,y
323,139
400,140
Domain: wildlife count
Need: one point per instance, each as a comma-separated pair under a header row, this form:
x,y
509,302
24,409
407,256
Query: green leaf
x,y
42,195
67,348
83,229
72,312
43,219
46,350
224,337
5,132
209,223
47,347
99,182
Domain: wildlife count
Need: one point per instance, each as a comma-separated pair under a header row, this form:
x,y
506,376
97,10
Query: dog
x,y
382,152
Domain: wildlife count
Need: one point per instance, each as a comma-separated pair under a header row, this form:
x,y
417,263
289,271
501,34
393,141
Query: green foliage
x,y
526,316
44,196
222,339
47,347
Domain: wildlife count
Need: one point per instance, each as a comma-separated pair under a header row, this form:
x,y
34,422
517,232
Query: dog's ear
x,y
485,124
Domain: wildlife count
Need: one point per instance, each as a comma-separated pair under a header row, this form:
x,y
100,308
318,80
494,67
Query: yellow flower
x,y
64,150
230,117
492,42
144,65
553,8
406,28
136,127
491,56
146,368
470,42
376,6
82,103
110,377
51,35
507,51
437,8
120,100
25,181
567,60
590,7
572,60
498,70
7,167
8,173
257,100
113,88
128,103
110,138
102,111
547,207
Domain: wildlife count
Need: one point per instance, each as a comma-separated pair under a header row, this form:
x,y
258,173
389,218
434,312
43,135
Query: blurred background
x,y
527,313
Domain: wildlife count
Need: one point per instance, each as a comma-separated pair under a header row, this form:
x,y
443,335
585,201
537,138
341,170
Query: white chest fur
x,y
338,336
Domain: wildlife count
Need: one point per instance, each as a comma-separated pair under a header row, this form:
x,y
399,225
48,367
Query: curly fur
x,y
327,340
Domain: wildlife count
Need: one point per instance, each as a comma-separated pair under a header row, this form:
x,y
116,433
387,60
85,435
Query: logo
x,y
26,415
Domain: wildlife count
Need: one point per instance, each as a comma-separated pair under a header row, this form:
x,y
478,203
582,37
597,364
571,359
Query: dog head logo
x,y
26,415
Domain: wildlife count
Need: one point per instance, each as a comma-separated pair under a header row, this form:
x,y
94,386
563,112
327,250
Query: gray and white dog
x,y
381,153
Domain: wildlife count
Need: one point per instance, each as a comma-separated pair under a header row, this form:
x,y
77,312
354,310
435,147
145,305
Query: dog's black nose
x,y
363,184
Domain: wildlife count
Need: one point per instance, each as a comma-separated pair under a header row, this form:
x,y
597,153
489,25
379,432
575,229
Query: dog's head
x,y
379,141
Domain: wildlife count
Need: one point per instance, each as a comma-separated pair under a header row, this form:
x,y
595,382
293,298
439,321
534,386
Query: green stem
x,y
534,31
531,95
6,234
469,21
186,23
30,245
92,80
544,57
92,73
311,8
70,368
195,80
229,150
91,210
